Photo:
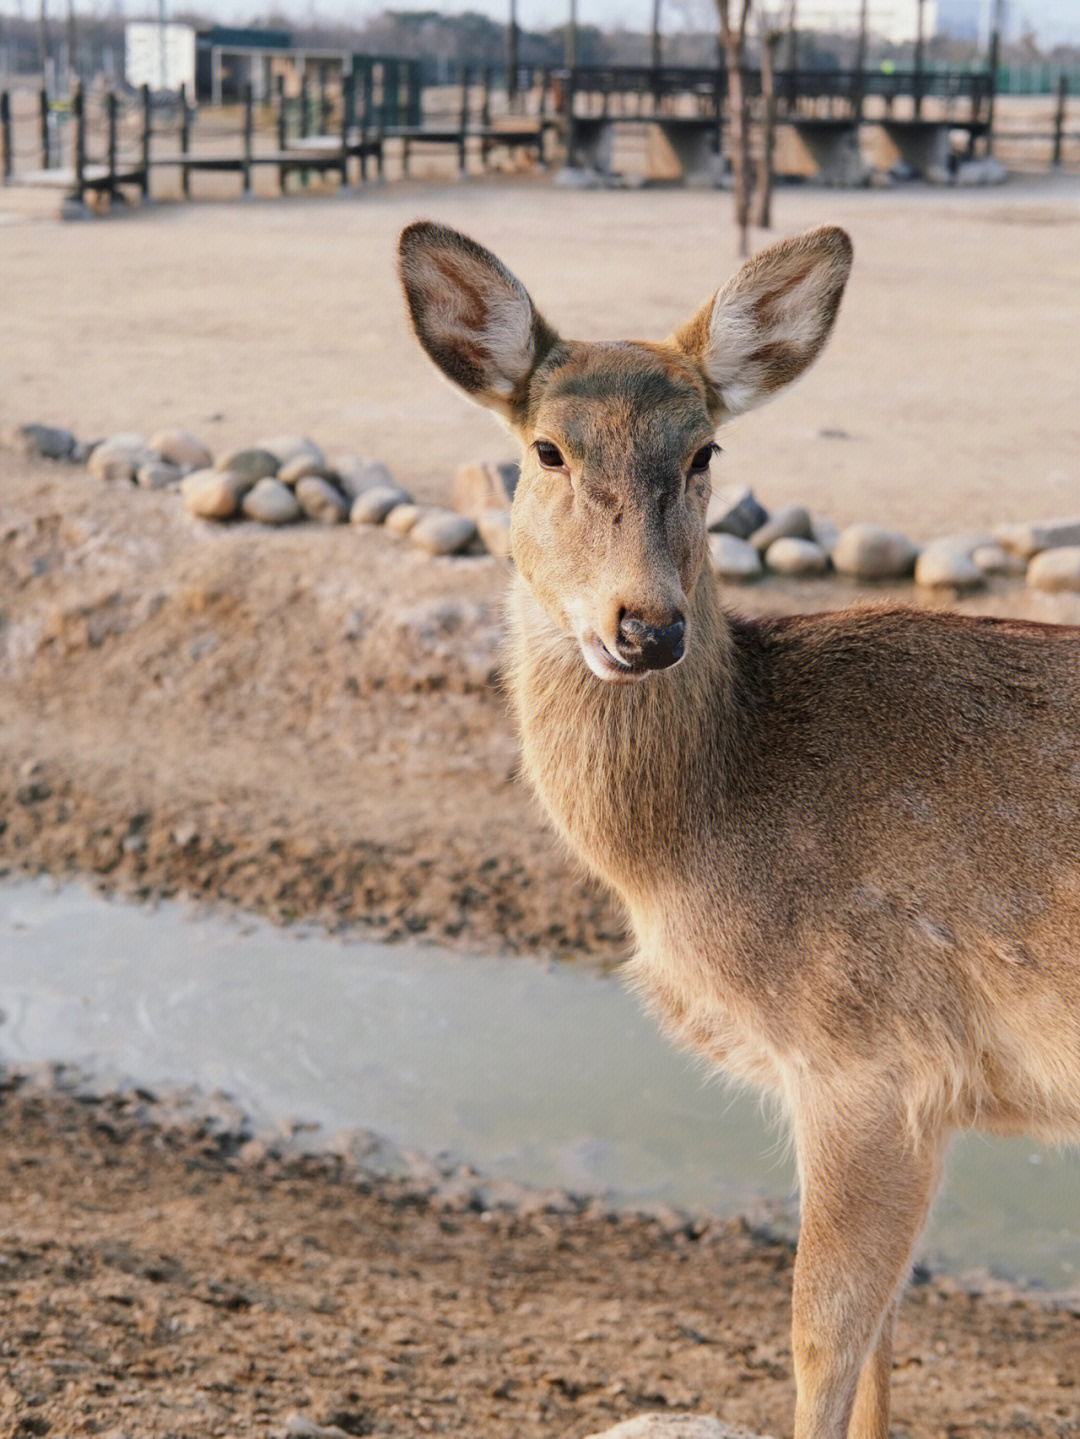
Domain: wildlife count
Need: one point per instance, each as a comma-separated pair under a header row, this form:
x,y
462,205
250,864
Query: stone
x,y
733,558
494,527
443,532
869,552
321,500
45,442
179,447
271,503
824,532
996,560
792,522
947,564
791,555
984,171
289,447
300,467
734,511
476,488
673,1426
213,494
1028,540
356,475
1056,569
253,464
120,457
400,520
372,506
158,475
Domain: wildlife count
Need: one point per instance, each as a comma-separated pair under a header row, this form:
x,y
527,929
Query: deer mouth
x,y
604,664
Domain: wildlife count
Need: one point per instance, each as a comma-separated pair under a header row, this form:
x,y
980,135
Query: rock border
x,y
289,480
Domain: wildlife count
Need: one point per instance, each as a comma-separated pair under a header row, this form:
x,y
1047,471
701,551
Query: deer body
x,y
849,844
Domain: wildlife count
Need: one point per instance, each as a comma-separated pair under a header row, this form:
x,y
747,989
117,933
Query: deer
x,y
848,843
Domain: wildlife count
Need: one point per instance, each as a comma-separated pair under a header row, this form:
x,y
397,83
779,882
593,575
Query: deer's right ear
x,y
473,318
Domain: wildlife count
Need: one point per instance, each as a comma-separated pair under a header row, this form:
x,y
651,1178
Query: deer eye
x,y
700,462
549,455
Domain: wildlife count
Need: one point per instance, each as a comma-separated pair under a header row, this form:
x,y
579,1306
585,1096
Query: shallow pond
x,y
544,1074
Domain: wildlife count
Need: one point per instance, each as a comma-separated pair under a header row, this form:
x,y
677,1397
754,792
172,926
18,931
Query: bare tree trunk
x,y
733,39
770,44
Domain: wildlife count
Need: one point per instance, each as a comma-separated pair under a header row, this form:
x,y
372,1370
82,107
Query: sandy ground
x,y
309,723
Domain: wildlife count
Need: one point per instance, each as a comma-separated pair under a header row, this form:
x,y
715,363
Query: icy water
x,y
544,1074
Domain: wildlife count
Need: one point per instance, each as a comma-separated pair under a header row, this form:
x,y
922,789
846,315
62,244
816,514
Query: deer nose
x,y
650,647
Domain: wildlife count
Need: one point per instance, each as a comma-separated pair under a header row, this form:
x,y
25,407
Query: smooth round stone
x,y
443,532
734,559
400,520
356,475
120,457
734,511
253,464
213,494
271,503
46,442
158,475
947,564
868,552
790,555
300,467
673,1426
372,506
494,527
179,447
824,532
997,560
1028,540
321,501
792,522
291,447
1057,569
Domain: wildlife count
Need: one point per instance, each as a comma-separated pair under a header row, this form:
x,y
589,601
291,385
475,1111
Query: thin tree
x,y
733,41
763,185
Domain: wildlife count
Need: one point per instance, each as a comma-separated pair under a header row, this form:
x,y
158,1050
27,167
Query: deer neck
x,y
628,772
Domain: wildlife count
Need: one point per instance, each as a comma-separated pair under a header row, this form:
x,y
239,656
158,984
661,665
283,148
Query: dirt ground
x,y
308,723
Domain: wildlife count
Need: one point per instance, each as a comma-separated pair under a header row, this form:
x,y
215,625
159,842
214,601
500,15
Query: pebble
x,y
792,522
996,560
321,500
253,464
158,475
373,506
179,447
734,511
824,533
120,457
1056,569
672,1426
792,555
400,519
271,503
443,532
947,564
356,475
733,558
300,466
494,527
289,447
868,552
476,488
1028,540
46,442
213,494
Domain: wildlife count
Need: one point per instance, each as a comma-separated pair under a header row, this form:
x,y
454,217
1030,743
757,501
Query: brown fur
x,y
849,844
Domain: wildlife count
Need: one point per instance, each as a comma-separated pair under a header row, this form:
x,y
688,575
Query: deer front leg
x,y
867,1187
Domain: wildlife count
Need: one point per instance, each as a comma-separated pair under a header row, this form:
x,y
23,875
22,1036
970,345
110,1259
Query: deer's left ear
x,y
768,323
474,319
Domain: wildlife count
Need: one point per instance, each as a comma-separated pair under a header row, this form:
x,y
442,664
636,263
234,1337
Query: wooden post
x,y
917,82
110,139
43,113
282,130
463,126
7,148
249,135
770,47
512,103
79,111
144,147
348,104
1059,118
991,79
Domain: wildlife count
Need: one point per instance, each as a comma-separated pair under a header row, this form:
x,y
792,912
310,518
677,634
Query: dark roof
x,y
239,38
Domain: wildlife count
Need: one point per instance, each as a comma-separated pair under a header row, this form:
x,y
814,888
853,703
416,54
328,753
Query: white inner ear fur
x,y
503,340
735,335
